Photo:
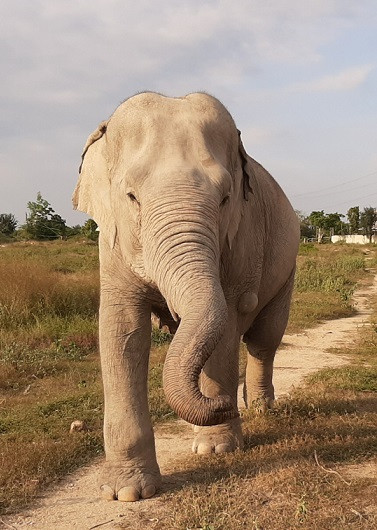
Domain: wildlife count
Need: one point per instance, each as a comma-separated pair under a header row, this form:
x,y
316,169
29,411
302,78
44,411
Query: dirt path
x,y
74,503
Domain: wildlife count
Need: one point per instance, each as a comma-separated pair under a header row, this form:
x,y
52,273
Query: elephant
x,y
197,232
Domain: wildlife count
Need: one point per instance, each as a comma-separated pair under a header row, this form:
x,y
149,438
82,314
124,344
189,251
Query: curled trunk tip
x,y
194,342
200,410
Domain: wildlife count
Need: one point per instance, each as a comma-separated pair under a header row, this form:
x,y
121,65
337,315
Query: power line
x,y
354,201
334,186
359,198
318,195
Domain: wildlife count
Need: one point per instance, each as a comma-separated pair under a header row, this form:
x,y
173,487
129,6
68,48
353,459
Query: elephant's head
x,y
165,179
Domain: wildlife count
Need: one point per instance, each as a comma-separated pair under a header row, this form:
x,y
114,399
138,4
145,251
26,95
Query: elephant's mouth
x,y
172,311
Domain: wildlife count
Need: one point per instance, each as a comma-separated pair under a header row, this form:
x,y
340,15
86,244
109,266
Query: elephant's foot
x,y
223,438
262,404
128,483
261,401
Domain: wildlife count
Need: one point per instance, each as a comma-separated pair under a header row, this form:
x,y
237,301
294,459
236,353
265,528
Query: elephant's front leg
x,y
130,471
221,376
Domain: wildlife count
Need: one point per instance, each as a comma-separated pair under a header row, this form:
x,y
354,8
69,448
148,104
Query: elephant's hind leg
x,y
220,376
262,341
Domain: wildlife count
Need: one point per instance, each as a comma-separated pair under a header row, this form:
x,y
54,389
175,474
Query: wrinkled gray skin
x,y
194,230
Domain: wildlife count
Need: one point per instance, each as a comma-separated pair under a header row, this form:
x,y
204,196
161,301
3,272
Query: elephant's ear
x,y
247,171
92,193
244,186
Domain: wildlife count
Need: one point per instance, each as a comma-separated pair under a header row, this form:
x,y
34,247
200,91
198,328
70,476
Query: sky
x,y
299,78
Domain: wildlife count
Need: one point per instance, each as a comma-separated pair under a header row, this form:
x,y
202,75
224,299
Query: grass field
x,y
49,374
325,280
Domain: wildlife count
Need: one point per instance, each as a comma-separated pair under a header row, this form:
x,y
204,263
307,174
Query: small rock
x,y
78,426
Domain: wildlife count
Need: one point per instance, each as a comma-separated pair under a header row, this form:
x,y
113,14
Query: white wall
x,y
360,240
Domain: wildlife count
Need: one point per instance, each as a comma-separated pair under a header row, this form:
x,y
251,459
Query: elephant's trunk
x,y
181,255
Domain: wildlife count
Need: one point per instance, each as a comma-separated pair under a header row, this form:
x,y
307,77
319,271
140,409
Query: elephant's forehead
x,y
154,111
150,122
151,101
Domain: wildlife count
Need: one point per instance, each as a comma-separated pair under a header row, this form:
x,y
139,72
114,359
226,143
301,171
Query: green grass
x,y
325,280
322,275
49,366
359,378
61,256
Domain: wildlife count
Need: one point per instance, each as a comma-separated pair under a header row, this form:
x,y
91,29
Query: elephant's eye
x,y
225,200
132,197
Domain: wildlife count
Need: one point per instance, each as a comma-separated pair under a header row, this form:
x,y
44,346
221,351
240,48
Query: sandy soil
x,y
74,502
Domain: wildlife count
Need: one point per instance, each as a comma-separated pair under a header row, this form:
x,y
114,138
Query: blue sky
x,y
299,77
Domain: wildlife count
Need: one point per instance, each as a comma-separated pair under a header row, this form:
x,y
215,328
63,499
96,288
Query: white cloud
x,y
66,65
348,79
55,46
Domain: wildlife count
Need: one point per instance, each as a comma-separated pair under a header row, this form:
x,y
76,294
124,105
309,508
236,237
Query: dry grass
x,y
292,471
290,474
30,292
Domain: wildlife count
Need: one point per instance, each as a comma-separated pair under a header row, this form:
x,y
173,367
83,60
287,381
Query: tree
x,y
368,219
73,230
330,223
353,215
42,221
89,230
318,219
8,224
334,222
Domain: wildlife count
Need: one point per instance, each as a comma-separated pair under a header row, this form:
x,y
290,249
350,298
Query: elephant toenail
x,y
107,493
128,494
